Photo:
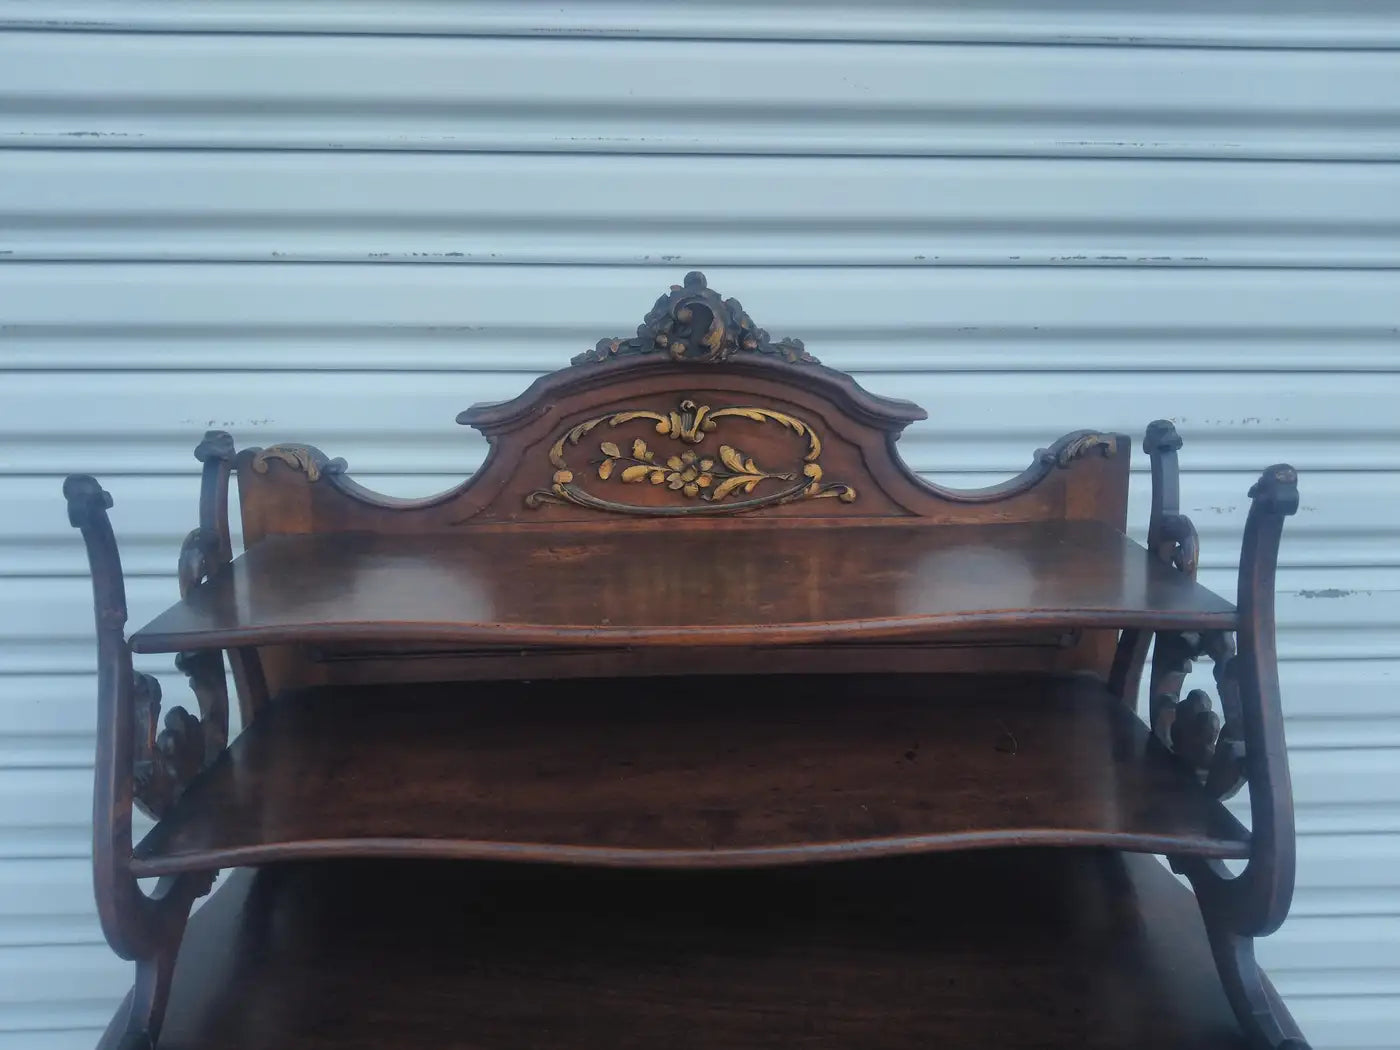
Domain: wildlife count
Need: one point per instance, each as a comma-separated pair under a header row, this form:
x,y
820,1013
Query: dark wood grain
x,y
1017,950
684,587
707,772
707,544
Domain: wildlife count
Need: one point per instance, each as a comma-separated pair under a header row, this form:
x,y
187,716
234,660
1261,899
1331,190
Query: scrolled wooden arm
x,y
1238,908
145,929
1247,748
125,912
1256,901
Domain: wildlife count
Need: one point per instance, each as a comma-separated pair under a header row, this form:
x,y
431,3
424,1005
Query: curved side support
x,y
1254,903
1171,536
206,550
144,929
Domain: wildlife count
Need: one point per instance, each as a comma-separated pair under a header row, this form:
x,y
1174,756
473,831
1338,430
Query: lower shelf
x,y
687,772
1013,949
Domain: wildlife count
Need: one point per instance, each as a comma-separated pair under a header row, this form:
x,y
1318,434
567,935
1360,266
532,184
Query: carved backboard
x,y
700,417
699,420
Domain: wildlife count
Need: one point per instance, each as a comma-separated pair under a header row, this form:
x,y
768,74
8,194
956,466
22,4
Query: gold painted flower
x,y
689,473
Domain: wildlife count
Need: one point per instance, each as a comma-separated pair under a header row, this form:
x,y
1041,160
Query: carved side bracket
x,y
168,758
1188,726
692,323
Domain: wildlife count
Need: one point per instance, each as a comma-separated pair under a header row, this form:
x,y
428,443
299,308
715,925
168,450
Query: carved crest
x,y
692,323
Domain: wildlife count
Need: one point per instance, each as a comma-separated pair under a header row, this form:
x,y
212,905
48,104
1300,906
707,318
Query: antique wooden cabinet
x,y
695,717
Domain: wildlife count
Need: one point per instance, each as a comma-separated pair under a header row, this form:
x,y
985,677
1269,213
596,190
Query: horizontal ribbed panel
x,y
582,95
52,424
1344,521
1229,23
510,318
693,211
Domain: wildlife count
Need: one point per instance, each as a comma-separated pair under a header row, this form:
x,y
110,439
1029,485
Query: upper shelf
x,y
700,586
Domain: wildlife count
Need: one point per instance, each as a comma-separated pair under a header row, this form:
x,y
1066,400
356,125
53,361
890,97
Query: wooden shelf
x,y
1014,949
683,587
699,771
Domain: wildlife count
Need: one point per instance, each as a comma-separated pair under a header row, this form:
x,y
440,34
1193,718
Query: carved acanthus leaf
x,y
308,459
166,761
692,323
1077,446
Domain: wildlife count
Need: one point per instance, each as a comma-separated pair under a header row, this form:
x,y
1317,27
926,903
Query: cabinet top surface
x,y
703,586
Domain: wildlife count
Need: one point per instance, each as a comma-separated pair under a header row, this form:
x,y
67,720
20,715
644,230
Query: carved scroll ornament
x,y
307,459
1080,445
1188,726
169,758
692,323
706,483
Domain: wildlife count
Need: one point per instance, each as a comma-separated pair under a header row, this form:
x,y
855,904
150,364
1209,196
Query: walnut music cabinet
x,y
695,719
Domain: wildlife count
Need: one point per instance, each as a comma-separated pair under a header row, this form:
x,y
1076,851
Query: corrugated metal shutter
x,y
344,221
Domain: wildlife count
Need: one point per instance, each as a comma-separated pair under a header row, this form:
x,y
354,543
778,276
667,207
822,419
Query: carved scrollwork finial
x,y
1161,437
1277,490
86,498
216,444
692,323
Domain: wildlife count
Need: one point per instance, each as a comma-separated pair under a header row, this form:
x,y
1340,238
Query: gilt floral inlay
x,y
723,481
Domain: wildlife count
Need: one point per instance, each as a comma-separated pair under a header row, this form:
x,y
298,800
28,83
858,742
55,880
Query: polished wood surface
x,y
718,532
1012,949
691,772
683,586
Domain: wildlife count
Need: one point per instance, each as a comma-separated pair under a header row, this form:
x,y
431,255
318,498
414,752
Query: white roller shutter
x,y
343,220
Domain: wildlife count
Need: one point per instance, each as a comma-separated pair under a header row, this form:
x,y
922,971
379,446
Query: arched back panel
x,y
699,421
